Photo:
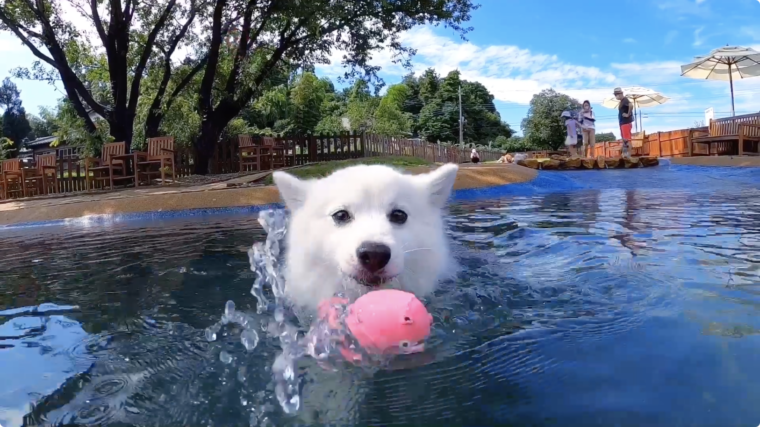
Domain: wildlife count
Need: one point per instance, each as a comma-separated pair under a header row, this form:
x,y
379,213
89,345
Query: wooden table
x,y
131,158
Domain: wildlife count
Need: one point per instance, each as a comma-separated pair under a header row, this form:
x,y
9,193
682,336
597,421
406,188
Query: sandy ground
x,y
217,195
736,161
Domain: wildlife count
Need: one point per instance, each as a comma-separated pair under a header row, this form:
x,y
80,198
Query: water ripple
x,y
599,299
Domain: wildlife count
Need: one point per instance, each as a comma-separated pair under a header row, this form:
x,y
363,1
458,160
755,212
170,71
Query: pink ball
x,y
389,321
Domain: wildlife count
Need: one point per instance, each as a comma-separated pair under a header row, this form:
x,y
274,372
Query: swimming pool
x,y
586,298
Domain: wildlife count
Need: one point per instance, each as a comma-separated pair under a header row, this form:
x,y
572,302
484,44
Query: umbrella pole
x,y
731,82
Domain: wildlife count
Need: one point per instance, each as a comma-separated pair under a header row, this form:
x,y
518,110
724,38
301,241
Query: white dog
x,y
364,227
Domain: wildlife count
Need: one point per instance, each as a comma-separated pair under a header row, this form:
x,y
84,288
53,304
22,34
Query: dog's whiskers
x,y
418,249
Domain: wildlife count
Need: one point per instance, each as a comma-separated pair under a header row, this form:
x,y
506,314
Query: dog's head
x,y
372,224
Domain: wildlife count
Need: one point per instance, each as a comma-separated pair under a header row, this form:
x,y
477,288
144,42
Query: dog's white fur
x,y
321,254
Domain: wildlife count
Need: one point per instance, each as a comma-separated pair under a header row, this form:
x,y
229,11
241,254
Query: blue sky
x,y
584,49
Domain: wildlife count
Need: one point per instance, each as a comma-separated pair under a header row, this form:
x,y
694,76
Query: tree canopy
x,y
238,50
543,127
15,126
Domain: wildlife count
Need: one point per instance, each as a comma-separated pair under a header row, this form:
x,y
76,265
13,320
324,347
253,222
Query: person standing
x,y
625,118
588,128
571,140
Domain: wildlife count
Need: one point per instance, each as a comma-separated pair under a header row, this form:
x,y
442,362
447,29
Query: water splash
x,y
318,343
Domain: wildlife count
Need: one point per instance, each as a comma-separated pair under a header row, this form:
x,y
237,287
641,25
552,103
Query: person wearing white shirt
x,y
588,129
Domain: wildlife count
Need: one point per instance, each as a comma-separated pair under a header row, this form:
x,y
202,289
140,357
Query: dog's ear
x,y
292,190
440,182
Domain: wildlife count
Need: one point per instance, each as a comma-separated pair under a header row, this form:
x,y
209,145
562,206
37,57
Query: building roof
x,y
40,141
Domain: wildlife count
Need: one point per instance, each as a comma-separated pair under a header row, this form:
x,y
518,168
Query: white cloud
x,y
698,40
514,74
511,73
629,40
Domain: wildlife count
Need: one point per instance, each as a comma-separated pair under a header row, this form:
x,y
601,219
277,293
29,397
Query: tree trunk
x,y
152,124
122,128
205,145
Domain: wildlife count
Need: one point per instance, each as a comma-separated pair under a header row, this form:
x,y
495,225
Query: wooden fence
x,y
661,144
375,146
299,150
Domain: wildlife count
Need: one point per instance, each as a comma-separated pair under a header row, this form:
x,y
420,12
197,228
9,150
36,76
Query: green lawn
x,y
325,168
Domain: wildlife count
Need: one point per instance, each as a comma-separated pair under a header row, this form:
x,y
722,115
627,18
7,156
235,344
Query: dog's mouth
x,y
372,280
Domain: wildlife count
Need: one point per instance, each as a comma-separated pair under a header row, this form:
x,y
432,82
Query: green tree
x,y
6,148
15,125
605,137
108,82
290,32
439,118
42,125
9,94
72,129
543,127
306,98
390,119
514,144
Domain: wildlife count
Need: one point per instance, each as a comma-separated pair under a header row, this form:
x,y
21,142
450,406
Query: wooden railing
x,y
375,145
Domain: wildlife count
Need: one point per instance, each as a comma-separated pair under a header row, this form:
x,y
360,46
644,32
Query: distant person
x,y
474,156
571,140
506,158
625,118
588,127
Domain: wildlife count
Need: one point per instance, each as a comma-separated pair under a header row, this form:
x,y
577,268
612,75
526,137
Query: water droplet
x,y
229,309
225,357
250,339
211,333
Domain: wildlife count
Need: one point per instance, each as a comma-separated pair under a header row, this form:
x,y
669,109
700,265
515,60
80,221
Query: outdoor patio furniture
x,y
46,170
107,167
276,154
638,139
16,178
250,154
722,134
158,160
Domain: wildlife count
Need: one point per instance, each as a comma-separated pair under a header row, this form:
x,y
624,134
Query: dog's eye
x,y
341,217
397,216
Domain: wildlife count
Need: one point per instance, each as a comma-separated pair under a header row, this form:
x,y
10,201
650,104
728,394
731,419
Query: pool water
x,y
609,298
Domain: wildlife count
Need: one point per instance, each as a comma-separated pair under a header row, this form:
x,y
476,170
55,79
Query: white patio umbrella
x,y
725,63
641,98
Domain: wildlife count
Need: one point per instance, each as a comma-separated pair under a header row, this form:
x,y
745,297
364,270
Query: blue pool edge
x,y
102,219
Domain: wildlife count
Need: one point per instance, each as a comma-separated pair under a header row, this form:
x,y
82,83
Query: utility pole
x,y
461,119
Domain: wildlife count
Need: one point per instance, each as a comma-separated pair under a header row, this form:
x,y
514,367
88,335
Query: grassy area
x,y
326,168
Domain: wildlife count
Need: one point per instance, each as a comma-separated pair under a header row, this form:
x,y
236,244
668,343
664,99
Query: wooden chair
x,y
289,146
105,164
637,139
721,134
249,153
276,152
46,169
160,153
14,178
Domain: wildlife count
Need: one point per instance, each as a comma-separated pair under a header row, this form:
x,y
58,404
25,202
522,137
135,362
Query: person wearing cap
x,y
625,118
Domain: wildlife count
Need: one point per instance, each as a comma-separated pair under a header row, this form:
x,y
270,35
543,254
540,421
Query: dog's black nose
x,y
373,256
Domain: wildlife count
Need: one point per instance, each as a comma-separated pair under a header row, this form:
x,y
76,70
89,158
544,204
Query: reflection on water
x,y
620,302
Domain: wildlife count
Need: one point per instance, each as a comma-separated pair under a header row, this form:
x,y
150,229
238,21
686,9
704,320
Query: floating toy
x,y
381,323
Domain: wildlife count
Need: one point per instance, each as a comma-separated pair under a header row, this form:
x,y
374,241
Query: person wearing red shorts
x,y
625,118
